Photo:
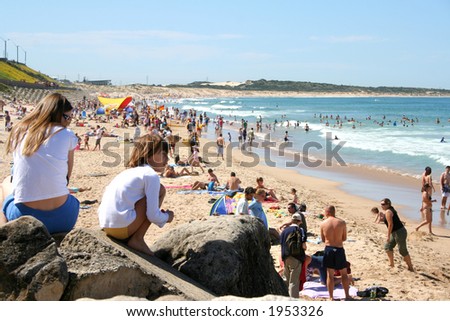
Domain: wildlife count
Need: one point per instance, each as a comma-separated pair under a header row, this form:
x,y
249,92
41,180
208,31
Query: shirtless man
x,y
334,232
220,145
445,187
233,183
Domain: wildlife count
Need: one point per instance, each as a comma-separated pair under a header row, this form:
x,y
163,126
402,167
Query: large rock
x,y
30,266
97,270
101,268
229,255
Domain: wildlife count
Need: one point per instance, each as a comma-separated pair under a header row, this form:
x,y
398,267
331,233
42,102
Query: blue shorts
x,y
61,219
334,258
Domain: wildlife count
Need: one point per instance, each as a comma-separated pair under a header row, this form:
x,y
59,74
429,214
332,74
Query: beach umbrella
x,y
100,111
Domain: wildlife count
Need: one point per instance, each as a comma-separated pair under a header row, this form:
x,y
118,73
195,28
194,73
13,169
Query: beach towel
x,y
318,290
178,186
278,213
200,192
270,200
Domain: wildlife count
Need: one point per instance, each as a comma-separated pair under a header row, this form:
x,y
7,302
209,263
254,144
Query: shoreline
x,y
367,182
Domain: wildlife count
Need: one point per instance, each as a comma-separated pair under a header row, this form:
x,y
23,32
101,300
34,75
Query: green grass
x,y
20,72
10,72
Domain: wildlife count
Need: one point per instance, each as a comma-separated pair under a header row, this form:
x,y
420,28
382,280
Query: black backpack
x,y
294,243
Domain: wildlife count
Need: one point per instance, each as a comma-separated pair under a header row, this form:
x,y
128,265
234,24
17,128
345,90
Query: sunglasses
x,y
67,117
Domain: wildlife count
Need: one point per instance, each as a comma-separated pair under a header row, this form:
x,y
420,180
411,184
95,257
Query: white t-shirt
x,y
98,133
117,207
242,206
43,174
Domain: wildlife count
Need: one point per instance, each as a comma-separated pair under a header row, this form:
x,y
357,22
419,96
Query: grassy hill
x,y
13,71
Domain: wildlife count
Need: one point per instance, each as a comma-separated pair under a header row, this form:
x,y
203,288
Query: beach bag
x,y
294,243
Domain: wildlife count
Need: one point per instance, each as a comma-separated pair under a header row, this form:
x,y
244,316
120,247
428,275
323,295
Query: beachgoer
x,y
256,210
292,208
269,191
137,133
7,120
212,180
255,207
170,172
251,136
426,178
396,234
294,195
242,205
379,216
426,207
233,183
133,199
86,141
293,263
220,146
194,159
98,137
445,186
333,232
43,152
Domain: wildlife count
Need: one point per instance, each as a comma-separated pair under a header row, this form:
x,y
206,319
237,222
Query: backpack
x,y
294,243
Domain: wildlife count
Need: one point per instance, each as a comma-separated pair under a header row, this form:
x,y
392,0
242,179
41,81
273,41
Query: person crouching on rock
x,y
133,199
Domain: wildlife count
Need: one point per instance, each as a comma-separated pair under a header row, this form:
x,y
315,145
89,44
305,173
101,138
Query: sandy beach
x,y
430,254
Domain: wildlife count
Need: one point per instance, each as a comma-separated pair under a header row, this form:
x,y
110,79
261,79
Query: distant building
x,y
97,82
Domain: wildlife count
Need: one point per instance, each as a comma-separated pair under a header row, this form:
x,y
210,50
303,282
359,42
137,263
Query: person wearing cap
x,y
292,264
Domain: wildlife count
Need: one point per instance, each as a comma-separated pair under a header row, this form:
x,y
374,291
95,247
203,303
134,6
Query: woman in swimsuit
x,y
426,207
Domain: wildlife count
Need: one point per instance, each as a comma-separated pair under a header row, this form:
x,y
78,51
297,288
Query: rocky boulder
x,y
228,255
98,270
30,265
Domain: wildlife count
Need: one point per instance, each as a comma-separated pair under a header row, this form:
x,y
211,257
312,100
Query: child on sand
x,y
294,195
86,141
379,216
132,201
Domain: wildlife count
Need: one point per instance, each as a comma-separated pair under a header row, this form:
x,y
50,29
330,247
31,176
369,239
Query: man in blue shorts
x,y
334,232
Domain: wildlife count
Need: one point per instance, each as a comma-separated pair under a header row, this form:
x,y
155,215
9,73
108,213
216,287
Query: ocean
x,y
399,135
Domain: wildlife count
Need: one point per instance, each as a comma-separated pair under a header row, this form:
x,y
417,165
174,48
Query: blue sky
x,y
367,43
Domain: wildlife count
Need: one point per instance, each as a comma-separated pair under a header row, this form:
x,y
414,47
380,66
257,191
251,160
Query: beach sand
x,y
364,248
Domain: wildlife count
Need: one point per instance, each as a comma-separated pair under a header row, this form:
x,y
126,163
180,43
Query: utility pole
x,y
17,50
6,47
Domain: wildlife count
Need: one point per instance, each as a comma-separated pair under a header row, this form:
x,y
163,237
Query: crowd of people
x,y
43,153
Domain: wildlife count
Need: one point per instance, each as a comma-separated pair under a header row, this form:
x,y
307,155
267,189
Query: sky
x,y
401,43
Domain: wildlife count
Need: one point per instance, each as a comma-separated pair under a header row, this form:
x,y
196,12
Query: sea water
x,y
389,134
